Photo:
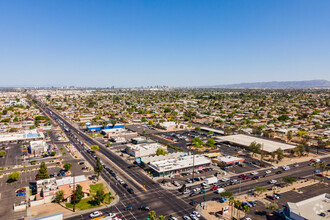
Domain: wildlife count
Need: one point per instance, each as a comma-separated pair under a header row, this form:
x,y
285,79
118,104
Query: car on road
x,y
197,189
279,172
195,213
254,173
193,217
95,214
144,208
128,208
246,177
272,181
81,163
188,180
268,171
215,187
255,177
186,191
194,194
320,175
130,190
296,165
186,218
175,183
20,191
274,167
220,190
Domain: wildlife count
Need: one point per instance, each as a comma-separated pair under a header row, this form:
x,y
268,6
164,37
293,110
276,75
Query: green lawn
x,y
85,203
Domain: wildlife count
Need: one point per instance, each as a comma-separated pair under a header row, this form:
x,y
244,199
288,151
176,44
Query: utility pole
x,y
74,200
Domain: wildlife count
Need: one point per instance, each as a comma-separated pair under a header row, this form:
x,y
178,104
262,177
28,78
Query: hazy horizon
x,y
173,43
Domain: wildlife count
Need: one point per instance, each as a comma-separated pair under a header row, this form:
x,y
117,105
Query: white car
x,y
193,217
196,214
254,173
272,181
274,167
95,214
197,189
268,171
186,218
112,215
224,179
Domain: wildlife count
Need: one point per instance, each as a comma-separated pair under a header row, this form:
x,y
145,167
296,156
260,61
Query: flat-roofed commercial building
x,y
38,147
316,208
180,164
267,145
141,150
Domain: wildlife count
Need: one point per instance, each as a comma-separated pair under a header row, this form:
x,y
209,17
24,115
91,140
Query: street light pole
x,y
193,166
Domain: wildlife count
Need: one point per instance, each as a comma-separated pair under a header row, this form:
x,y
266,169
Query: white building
x,y
141,150
315,208
38,147
33,134
180,164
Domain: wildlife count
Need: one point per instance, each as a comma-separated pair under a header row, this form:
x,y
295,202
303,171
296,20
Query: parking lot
x,y
13,156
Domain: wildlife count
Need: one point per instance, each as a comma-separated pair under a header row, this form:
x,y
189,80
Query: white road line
x,y
120,212
128,210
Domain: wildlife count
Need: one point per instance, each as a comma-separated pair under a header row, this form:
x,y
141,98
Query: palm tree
x,y
238,205
315,165
246,209
327,168
322,166
152,215
231,203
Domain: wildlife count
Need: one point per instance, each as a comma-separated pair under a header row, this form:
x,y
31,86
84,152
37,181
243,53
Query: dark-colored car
x,y
81,163
128,208
255,177
279,172
84,168
130,190
144,208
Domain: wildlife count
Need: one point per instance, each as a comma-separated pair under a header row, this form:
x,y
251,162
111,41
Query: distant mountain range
x,y
279,85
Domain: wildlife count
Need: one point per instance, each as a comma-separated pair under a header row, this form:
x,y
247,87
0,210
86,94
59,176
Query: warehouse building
x,y
267,145
180,164
94,128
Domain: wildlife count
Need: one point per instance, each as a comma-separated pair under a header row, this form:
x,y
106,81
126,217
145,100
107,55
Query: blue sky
x,y
162,42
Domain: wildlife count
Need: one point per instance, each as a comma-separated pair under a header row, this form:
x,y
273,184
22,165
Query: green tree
x,y
226,194
98,168
280,154
315,165
95,147
259,189
42,173
99,196
289,135
3,153
53,153
289,180
78,194
67,166
198,128
59,196
14,176
152,215
322,166
255,148
113,122
161,151
211,133
143,119
272,206
210,142
150,122
161,217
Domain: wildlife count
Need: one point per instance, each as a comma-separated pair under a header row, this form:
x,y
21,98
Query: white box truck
x,y
211,180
